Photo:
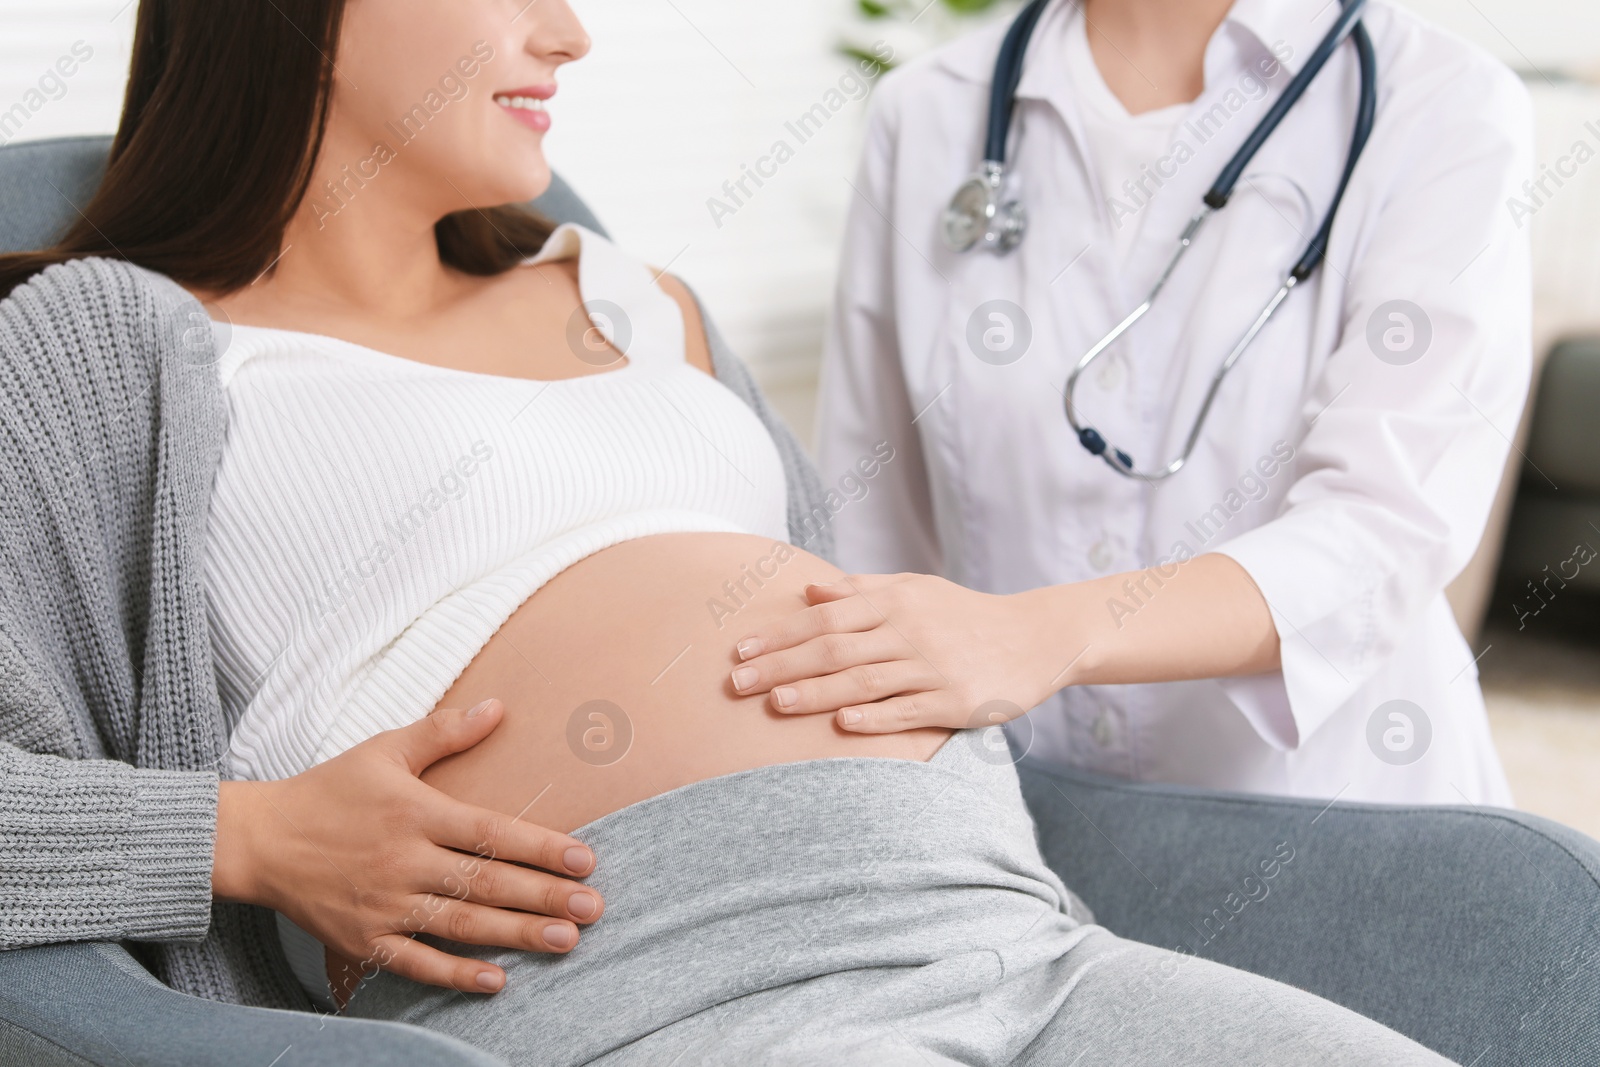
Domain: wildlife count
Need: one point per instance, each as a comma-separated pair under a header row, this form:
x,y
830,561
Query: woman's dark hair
x,y
226,108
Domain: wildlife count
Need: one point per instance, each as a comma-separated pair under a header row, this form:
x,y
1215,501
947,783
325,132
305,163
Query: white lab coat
x,y
1392,463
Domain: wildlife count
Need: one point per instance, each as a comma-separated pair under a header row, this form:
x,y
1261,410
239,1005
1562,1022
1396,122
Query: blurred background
x,y
679,96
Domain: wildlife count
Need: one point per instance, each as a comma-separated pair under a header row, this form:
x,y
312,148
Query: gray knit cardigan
x,y
111,731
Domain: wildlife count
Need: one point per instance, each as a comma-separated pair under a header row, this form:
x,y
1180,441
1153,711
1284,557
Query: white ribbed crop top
x,y
375,520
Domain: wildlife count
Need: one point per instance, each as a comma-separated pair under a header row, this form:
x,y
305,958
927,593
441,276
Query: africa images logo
x,y
1399,732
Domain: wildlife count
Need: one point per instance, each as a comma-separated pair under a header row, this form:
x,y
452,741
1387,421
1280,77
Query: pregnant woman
x,y
420,453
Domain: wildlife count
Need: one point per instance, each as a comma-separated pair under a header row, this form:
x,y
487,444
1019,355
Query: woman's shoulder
x,y
102,277
102,296
646,295
103,320
697,346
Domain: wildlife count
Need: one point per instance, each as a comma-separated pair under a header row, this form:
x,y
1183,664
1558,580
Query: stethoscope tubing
x,y
1002,99
1221,189
1008,75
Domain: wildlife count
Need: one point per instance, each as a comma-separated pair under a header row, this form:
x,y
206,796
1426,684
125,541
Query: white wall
x,y
675,99
678,94
34,34
1538,35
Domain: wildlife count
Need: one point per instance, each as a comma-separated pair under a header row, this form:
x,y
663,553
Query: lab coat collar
x,y
1298,23
971,57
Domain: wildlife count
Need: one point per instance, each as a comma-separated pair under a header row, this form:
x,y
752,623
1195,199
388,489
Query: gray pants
x,y
865,911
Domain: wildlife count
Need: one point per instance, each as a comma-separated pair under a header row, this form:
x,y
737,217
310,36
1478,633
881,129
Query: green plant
x,y
907,11
878,9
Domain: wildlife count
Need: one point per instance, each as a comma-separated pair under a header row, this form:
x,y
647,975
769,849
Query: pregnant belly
x,y
615,679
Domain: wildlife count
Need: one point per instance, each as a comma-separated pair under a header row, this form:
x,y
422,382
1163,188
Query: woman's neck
x,y
365,248
1151,53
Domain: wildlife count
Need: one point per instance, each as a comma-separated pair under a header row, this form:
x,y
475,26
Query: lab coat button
x,y
1102,555
1102,730
1109,374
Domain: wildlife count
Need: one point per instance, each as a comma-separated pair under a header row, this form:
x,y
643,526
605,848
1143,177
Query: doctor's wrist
x,y
1061,647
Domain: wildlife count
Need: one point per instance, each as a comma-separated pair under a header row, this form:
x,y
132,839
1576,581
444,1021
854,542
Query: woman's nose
x,y
554,32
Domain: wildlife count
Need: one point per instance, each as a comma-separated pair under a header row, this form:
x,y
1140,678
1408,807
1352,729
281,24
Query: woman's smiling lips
x,y
526,105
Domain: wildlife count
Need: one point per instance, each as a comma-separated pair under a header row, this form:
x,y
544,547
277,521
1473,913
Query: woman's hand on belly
x,y
360,853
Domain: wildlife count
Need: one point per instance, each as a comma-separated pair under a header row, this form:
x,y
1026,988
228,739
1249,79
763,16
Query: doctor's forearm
x,y
1207,620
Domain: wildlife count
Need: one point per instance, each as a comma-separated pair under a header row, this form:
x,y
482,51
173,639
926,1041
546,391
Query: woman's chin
x,y
537,181
514,180
520,176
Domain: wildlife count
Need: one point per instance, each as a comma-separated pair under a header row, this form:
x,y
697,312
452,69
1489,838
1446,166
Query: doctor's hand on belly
x,y
885,653
420,856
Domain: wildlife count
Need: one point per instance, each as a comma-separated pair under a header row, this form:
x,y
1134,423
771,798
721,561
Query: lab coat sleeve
x,y
863,405
1400,461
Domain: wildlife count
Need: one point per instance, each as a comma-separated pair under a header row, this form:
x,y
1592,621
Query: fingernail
x,y
820,585
479,709
750,646
489,981
850,716
744,678
558,936
785,695
583,905
578,860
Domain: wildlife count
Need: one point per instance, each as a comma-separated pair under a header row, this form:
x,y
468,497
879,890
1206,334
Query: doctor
x,y
1268,613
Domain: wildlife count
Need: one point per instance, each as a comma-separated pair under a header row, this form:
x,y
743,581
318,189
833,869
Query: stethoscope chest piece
x,y
977,214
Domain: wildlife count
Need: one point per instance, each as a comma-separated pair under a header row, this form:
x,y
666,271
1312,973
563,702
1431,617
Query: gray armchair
x,y
1549,524
1474,931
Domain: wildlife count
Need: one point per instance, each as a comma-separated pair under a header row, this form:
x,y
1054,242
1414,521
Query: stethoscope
x,y
977,214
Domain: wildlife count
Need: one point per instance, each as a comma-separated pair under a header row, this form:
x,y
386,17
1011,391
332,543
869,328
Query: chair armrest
x,y
90,1003
1474,931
